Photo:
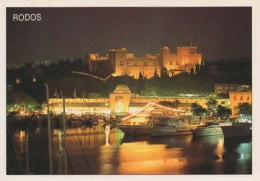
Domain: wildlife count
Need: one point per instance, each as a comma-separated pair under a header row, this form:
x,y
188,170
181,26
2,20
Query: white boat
x,y
209,129
157,125
181,126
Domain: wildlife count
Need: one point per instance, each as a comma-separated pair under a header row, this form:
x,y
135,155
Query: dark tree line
x,y
61,81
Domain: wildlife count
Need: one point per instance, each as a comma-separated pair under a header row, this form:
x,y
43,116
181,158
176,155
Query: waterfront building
x,y
125,63
122,100
226,88
237,98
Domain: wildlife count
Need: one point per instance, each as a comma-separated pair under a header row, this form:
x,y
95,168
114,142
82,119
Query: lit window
x,y
241,98
235,98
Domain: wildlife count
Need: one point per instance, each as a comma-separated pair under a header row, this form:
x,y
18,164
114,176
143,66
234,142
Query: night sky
x,y
219,33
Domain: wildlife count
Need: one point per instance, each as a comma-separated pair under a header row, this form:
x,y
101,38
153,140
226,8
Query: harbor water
x,y
105,150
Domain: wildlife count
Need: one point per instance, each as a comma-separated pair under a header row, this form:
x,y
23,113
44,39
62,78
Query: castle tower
x,y
118,58
164,57
188,57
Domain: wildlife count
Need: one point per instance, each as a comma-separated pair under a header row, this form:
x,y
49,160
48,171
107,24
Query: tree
x,y
197,69
155,74
140,83
223,111
244,108
164,73
198,110
192,71
170,104
141,76
18,99
211,106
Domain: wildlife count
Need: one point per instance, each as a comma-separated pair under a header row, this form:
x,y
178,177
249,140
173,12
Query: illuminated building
x,y
125,63
237,98
226,88
122,100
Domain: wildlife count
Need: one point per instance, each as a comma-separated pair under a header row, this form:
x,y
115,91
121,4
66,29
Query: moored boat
x,y
238,129
163,131
209,129
135,129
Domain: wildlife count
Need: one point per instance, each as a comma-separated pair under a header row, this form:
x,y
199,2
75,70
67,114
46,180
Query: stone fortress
x,y
125,63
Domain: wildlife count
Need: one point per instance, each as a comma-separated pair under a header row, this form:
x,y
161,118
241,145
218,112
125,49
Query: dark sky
x,y
219,33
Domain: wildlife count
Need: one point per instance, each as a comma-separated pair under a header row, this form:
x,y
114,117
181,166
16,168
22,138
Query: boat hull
x,y
163,131
207,132
135,129
238,130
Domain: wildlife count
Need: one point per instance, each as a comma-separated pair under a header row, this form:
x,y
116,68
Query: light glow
x,y
93,76
151,103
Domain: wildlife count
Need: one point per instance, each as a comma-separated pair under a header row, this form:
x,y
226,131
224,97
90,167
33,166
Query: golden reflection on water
x,y
112,152
220,148
144,158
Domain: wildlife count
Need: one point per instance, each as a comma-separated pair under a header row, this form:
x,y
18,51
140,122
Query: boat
x,y
172,127
238,129
182,127
136,126
164,130
139,129
209,129
157,124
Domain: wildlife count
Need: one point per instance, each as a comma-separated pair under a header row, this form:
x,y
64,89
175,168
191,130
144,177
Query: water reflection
x,y
107,132
109,151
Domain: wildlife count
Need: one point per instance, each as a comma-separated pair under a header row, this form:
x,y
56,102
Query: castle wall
x,y
147,71
126,63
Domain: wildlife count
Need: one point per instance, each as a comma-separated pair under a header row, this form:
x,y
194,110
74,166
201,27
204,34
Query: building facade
x,y
237,98
125,63
226,88
122,100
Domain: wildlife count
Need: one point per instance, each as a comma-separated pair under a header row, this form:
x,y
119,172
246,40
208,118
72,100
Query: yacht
x,y
165,130
157,124
209,129
135,129
182,127
136,126
171,126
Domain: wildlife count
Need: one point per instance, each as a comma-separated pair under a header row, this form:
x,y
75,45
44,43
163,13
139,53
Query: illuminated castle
x,y
125,63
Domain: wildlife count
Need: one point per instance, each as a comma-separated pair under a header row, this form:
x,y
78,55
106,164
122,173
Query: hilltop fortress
x,y
125,63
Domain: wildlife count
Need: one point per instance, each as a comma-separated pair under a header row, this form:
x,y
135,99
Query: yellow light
x,y
151,103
